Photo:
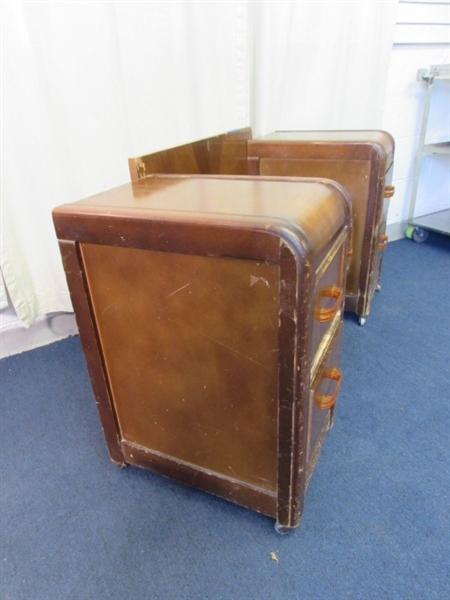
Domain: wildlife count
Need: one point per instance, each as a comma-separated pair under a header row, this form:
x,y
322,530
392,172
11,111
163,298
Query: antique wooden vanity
x,y
210,312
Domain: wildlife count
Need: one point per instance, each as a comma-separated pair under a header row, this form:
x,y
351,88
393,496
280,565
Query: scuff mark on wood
x,y
254,280
178,290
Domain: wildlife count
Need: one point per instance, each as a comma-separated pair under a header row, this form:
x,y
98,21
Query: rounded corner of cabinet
x,y
294,241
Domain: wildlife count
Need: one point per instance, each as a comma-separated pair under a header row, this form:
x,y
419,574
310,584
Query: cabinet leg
x,y
282,529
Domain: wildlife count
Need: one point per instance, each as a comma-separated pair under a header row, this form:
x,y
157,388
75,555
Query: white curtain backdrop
x,y
320,64
86,85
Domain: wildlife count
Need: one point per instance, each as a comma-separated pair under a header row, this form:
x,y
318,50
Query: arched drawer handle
x,y
326,313
382,242
389,191
325,401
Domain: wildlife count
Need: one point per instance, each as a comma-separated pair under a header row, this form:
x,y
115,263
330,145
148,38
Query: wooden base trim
x,y
259,499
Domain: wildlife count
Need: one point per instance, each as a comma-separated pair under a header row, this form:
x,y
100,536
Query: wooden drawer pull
x,y
389,191
326,401
382,242
326,313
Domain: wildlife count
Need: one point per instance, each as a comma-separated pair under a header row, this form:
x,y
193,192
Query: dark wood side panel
x,y
225,154
190,348
228,153
91,347
187,159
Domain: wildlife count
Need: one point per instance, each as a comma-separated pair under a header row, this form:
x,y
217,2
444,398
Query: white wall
x,y
421,39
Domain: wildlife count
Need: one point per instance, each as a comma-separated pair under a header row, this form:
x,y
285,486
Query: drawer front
x,y
323,394
382,237
328,301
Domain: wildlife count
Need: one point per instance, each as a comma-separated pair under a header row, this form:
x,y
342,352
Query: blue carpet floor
x,y
376,520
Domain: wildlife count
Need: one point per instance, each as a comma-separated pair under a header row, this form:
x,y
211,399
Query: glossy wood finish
x,y
208,327
224,154
362,162
195,387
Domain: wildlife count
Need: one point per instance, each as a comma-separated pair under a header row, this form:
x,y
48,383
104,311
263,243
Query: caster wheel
x,y
409,232
417,234
282,529
378,288
362,321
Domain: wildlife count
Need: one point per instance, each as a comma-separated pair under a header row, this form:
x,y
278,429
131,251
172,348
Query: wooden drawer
x,y
194,298
328,303
324,391
382,238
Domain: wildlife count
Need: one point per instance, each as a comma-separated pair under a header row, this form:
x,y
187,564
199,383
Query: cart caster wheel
x,y
409,232
378,288
282,529
417,234
362,321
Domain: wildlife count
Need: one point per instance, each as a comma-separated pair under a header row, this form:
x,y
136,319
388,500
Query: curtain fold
x,y
320,64
4,302
184,68
59,74
86,85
